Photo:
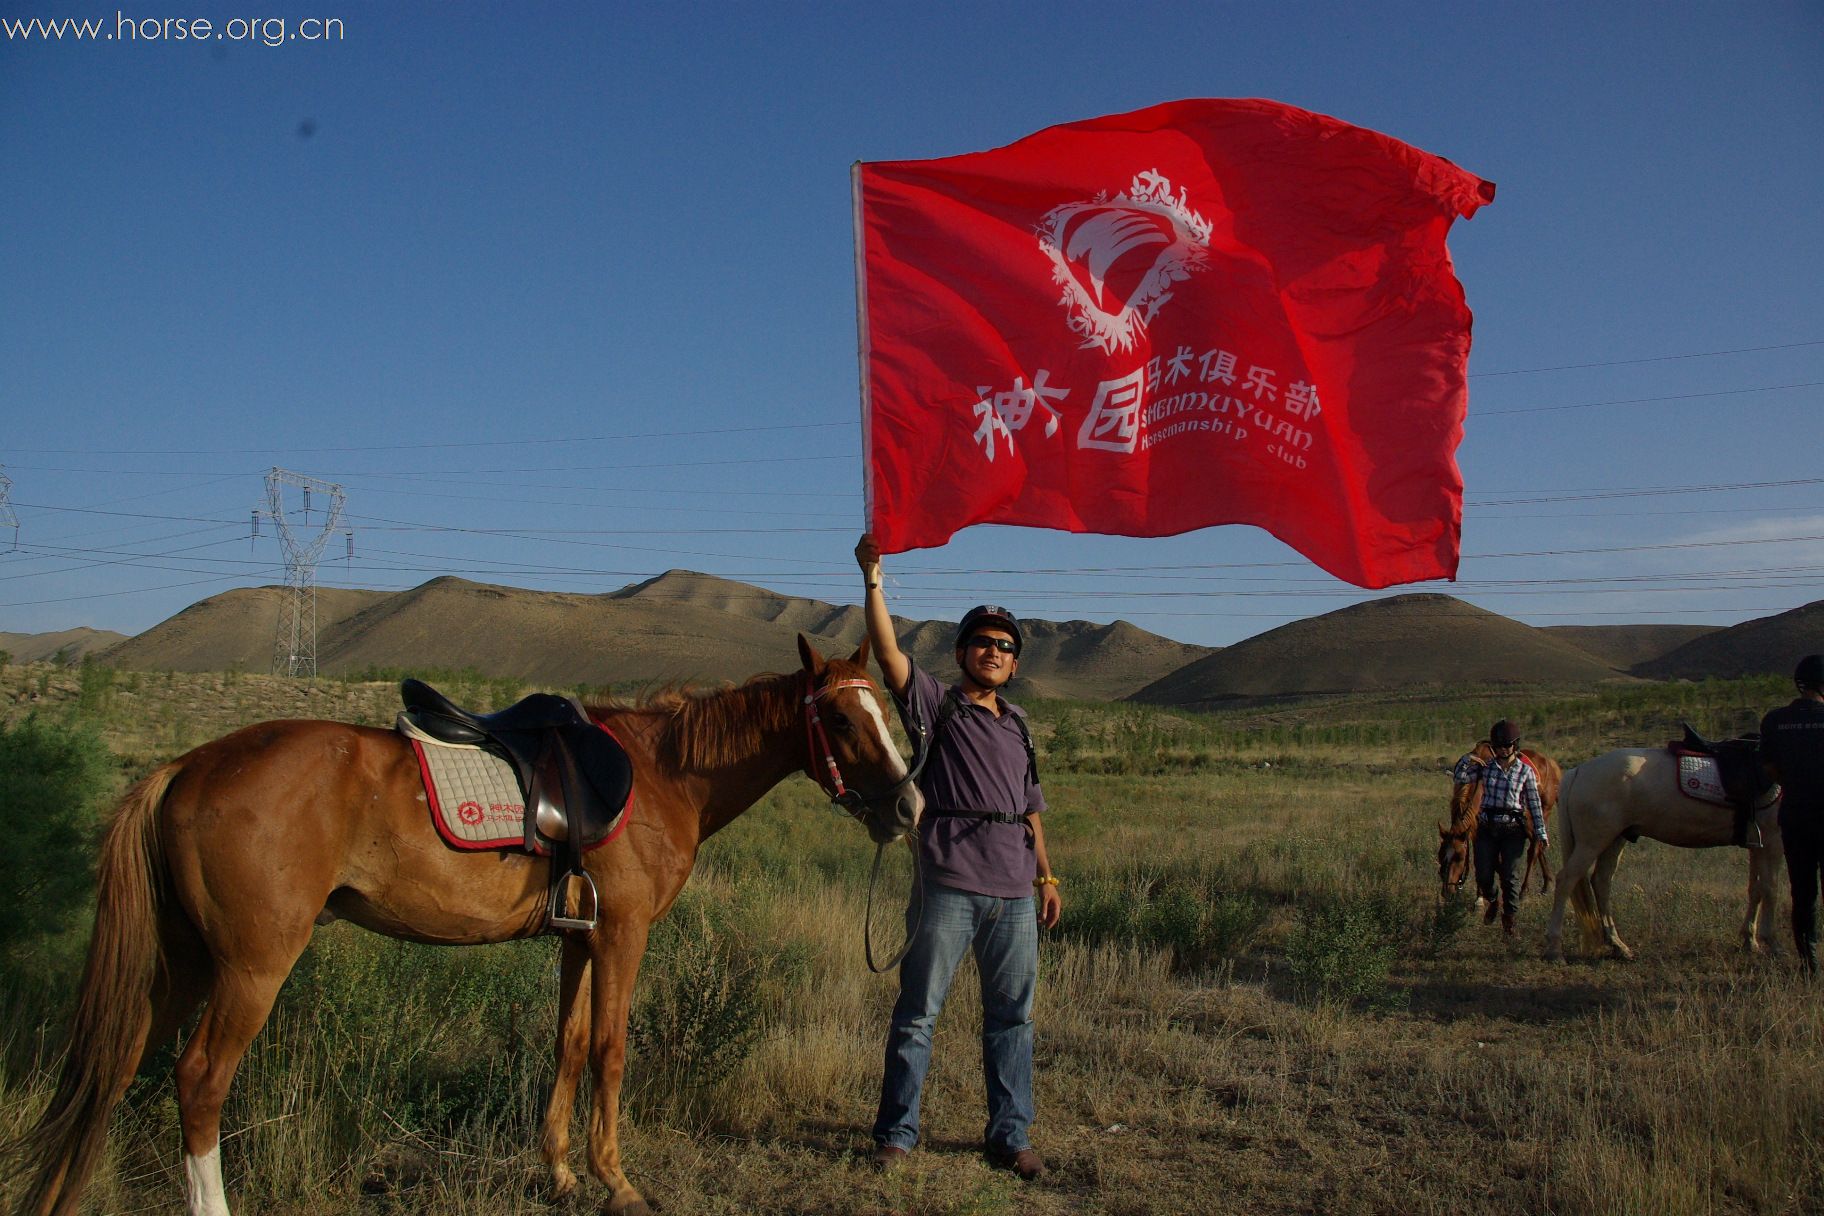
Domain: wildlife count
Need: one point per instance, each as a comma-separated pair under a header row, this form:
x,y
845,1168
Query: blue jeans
x,y
1004,936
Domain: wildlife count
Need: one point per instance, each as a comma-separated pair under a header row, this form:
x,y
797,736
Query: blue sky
x,y
602,254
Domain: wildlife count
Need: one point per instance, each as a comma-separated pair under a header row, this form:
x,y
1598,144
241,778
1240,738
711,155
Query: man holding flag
x,y
1204,312
982,862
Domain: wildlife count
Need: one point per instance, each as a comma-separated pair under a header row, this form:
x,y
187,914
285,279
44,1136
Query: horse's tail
x,y
113,1007
1583,896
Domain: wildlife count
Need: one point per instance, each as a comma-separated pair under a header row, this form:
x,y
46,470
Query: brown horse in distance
x,y
1457,843
216,866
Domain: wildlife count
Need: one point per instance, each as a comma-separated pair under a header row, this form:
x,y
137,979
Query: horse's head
x,y
1453,860
1454,842
851,751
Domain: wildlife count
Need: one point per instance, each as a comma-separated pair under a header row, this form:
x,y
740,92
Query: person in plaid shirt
x,y
1512,813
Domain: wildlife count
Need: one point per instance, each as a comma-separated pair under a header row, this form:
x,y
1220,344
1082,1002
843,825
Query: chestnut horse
x,y
1457,843
216,866
1632,792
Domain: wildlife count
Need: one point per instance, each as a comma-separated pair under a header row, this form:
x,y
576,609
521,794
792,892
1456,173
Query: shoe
x,y
1507,924
1024,1162
887,1157
1494,910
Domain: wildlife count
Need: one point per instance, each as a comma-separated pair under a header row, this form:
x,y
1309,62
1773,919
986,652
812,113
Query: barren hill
x,y
1767,645
678,626
1628,646
71,643
231,631
1404,641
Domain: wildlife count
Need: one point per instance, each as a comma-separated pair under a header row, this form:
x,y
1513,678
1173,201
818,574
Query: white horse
x,y
1633,792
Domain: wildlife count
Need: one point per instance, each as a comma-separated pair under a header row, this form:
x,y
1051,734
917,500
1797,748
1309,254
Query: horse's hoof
x,y
563,1184
1554,954
1621,954
633,1206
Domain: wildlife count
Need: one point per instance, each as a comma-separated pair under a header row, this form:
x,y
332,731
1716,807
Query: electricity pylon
x,y
7,518
294,647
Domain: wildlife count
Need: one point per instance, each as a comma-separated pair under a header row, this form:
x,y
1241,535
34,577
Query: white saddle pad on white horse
x,y
1700,778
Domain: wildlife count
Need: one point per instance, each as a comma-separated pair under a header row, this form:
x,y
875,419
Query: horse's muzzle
x,y
896,814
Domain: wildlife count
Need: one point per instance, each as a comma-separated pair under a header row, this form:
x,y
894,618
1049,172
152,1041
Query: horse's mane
x,y
708,728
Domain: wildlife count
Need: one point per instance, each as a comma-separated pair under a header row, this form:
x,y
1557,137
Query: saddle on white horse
x,y
1725,772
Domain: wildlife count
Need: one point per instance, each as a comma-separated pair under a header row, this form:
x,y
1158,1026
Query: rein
x,y
853,801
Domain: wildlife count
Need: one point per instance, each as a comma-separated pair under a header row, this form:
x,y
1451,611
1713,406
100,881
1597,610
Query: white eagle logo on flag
x,y
1117,258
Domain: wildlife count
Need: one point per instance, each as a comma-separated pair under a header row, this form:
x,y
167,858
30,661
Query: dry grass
x,y
1689,1082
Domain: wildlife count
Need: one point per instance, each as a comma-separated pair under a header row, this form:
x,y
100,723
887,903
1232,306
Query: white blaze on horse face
x,y
896,763
203,1191
898,766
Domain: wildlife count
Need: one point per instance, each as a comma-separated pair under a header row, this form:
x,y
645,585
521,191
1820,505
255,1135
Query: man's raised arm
x,y
895,667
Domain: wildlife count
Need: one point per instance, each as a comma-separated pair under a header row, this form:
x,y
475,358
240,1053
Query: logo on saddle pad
x,y
1116,258
1700,778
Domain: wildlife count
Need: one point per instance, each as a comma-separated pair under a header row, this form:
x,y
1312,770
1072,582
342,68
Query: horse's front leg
x,y
572,1053
615,964
1763,891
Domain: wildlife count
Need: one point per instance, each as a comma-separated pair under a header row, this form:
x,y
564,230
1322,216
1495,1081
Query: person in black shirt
x,y
1792,748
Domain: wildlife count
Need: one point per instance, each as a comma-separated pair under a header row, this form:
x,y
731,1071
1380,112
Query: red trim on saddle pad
x,y
511,815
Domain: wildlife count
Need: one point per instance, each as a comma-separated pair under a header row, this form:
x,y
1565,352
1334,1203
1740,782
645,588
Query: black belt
x,y
990,816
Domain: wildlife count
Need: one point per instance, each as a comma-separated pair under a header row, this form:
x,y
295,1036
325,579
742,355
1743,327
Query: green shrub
x,y
435,1039
1446,920
54,782
95,684
1343,948
1185,912
698,1014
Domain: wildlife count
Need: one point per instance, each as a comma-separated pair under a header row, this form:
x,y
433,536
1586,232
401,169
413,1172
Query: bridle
x,y
829,779
828,775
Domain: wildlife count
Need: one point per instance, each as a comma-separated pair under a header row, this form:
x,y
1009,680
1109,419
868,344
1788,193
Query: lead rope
x,y
818,742
918,920
921,750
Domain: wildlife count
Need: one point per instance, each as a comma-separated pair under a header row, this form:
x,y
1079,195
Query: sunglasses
x,y
1004,645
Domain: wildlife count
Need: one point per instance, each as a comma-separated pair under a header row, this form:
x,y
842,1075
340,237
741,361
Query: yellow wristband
x,y
1049,880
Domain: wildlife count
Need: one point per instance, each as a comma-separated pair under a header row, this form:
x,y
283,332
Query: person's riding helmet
x,y
1810,672
990,616
1504,734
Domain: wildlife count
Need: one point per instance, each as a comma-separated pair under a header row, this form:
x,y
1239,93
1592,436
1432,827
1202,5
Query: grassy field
x,y
1255,1002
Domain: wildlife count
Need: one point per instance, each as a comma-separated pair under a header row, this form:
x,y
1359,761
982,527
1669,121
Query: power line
x,y
1705,354
1590,405
1648,491
422,447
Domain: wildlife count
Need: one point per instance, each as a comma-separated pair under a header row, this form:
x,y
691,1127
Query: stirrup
x,y
1751,835
560,890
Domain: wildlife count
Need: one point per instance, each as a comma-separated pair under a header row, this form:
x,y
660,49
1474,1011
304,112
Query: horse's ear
x,y
860,657
813,662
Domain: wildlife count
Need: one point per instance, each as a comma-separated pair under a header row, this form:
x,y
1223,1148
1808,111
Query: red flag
x,y
1205,312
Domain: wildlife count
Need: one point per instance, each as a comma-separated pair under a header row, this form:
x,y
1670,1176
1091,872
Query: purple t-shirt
x,y
978,764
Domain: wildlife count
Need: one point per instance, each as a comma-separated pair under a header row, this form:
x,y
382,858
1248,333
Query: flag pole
x,y
861,347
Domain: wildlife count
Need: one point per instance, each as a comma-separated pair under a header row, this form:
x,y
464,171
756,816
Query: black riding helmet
x,y
1504,734
992,616
1810,672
